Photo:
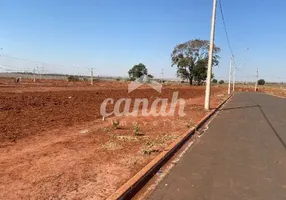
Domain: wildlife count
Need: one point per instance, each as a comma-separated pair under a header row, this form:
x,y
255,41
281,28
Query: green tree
x,y
221,82
261,82
214,81
191,60
200,71
137,71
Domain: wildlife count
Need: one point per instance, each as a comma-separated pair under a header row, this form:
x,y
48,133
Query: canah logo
x,y
159,106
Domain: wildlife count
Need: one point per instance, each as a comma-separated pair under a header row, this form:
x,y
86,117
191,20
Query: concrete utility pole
x,y
229,75
256,83
210,61
34,76
162,73
91,76
233,79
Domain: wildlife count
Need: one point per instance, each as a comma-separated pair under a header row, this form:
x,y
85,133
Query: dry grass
x,y
112,146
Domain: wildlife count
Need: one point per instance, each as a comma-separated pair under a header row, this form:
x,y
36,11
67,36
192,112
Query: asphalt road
x,y
241,156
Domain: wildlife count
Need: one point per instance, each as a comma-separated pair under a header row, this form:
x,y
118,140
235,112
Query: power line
x,y
225,29
13,63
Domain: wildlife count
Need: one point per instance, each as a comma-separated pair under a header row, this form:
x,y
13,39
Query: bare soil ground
x,y
269,89
278,91
54,144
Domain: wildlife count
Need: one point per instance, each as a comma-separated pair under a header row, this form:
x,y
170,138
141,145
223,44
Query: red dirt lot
x,y
54,144
276,90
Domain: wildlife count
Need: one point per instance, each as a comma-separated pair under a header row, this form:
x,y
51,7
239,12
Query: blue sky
x,y
112,35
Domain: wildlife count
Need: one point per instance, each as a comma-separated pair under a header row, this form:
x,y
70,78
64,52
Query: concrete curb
x,y
131,187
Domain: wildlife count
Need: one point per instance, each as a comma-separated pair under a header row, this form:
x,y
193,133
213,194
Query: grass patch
x,y
111,146
126,138
106,129
158,144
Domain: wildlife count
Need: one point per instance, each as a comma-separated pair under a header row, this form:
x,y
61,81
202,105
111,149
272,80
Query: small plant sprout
x,y
106,129
116,124
190,124
136,129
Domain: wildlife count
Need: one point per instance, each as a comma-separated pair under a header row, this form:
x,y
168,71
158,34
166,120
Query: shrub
x,y
73,78
221,82
261,82
136,130
214,81
115,124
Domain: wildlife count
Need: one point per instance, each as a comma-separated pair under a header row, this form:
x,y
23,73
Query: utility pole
x,y
38,72
229,75
256,82
91,76
34,76
210,61
162,73
233,79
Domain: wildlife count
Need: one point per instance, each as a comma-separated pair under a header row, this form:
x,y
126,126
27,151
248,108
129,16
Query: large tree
x,y
137,71
191,59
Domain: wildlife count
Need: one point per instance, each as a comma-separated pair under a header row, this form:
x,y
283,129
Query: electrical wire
x,y
225,29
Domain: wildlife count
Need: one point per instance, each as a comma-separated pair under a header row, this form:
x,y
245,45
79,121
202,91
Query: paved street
x,y
241,156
